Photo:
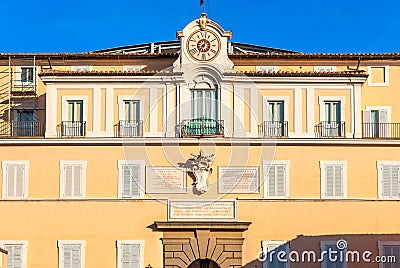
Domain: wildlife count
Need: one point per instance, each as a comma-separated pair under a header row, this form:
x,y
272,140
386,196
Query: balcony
x,y
201,127
330,129
71,129
128,129
273,129
22,129
381,131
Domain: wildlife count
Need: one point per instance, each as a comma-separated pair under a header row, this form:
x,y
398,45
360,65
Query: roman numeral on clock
x,y
193,50
203,57
213,51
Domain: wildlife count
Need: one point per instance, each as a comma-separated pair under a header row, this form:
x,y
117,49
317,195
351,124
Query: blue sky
x,y
306,26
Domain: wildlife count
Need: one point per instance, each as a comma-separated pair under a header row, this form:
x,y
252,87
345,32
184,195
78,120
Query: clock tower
x,y
204,41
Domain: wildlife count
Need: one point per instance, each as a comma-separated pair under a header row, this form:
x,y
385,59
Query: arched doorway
x,y
204,263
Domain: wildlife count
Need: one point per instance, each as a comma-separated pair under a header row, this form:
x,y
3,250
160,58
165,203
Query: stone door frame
x,y
185,242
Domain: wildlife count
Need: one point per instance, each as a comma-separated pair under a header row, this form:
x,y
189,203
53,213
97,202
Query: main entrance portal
x,y
202,244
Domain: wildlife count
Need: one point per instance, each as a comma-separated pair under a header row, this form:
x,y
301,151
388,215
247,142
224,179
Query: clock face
x,y
203,45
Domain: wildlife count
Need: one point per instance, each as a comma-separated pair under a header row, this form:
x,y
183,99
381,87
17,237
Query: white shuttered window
x,y
130,253
72,179
17,253
131,179
389,179
276,183
15,179
333,179
71,253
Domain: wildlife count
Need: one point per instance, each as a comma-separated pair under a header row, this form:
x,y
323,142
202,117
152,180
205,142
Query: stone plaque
x,y
202,210
160,180
238,180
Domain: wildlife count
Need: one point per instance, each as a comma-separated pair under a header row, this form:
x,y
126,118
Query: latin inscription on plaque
x,y
202,209
160,180
238,180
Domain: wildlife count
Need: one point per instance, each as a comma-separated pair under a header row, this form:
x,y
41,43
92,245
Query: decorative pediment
x,y
204,41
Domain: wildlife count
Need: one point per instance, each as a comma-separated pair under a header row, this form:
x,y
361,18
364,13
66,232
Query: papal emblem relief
x,y
202,170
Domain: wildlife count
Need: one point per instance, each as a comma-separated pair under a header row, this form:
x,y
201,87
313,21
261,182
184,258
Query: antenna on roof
x,y
202,6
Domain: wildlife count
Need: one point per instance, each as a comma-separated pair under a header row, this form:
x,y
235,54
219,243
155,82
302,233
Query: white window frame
x,y
133,68
123,98
285,100
75,68
328,69
267,69
266,166
24,244
323,244
384,84
65,100
18,76
64,163
381,244
379,165
323,99
5,178
60,245
266,244
120,177
322,165
128,242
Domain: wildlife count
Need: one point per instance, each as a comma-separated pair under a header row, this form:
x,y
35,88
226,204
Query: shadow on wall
x,y
336,251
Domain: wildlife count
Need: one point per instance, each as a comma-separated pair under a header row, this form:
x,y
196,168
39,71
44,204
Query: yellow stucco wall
x,y
102,219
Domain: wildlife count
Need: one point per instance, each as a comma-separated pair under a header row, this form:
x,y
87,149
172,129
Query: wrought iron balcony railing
x,y
22,129
201,127
71,129
273,129
381,130
128,129
330,129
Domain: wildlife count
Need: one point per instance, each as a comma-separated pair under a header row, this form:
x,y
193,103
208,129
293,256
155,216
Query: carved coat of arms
x,y
202,170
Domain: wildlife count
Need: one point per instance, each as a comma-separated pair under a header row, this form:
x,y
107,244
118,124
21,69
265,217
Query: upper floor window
x,y
71,253
131,113
82,68
376,121
130,179
73,179
378,76
388,179
267,69
333,179
75,110
74,115
133,68
324,69
130,253
17,253
27,74
332,116
204,95
332,111
15,179
275,116
276,111
131,110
